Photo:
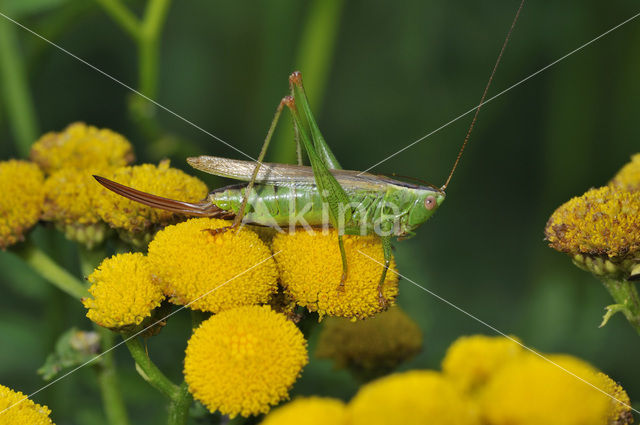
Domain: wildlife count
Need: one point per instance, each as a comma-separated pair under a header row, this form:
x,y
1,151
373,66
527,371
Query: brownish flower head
x,y
602,222
71,196
370,347
81,146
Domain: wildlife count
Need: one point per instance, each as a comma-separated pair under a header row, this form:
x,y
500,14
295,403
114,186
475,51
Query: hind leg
x,y
386,249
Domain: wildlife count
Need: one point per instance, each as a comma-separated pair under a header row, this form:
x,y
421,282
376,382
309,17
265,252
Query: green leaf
x,y
73,348
611,310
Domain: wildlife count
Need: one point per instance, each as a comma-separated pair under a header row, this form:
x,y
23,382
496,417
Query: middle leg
x,y
238,219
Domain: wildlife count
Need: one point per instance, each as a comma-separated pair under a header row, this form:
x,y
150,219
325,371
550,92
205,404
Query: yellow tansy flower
x,y
311,267
212,272
21,199
628,178
123,291
243,361
471,360
70,201
161,180
314,410
17,409
532,391
370,347
416,397
602,222
81,146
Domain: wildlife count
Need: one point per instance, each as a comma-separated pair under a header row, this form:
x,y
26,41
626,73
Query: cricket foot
x,y
343,279
381,299
214,232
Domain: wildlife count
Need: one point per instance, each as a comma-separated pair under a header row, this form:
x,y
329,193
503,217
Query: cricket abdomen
x,y
285,206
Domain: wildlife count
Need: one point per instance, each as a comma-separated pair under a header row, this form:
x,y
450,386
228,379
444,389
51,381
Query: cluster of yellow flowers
x,y
245,357
601,229
213,272
69,158
57,186
308,266
484,380
258,352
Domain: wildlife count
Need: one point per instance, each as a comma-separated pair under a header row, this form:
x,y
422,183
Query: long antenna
x,y
484,95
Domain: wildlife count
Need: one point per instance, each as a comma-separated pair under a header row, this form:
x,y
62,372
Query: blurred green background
x,y
380,75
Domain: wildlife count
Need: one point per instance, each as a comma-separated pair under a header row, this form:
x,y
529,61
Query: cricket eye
x,y
430,202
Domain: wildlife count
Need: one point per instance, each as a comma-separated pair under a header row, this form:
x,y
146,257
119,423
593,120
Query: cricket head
x,y
427,202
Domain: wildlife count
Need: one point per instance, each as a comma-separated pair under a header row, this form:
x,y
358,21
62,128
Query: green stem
x,y
313,59
317,43
625,294
122,16
148,45
179,406
112,401
155,16
16,91
149,371
146,33
147,66
42,264
181,401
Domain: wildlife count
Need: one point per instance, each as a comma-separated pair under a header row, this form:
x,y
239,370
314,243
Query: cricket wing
x,y
286,174
201,209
